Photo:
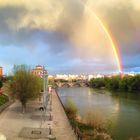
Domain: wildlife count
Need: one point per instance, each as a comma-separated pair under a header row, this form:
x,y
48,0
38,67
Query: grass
x,y
3,99
91,127
71,110
95,120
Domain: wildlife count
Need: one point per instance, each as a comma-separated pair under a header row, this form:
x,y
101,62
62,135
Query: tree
x,y
114,83
25,85
97,82
123,84
134,83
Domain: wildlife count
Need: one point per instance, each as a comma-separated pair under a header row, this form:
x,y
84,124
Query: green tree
x,y
97,82
123,84
117,83
25,85
114,83
134,83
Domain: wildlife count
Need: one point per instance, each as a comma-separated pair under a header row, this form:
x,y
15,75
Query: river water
x,y
121,111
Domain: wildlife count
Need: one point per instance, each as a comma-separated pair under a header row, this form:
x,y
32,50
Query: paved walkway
x,y
61,126
12,120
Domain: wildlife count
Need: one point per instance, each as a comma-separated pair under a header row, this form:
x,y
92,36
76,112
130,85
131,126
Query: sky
x,y
66,37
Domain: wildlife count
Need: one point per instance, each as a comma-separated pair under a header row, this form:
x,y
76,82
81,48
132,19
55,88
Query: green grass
x,y
3,99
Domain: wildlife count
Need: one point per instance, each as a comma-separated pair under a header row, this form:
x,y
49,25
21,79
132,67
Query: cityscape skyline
x,y
67,38
38,70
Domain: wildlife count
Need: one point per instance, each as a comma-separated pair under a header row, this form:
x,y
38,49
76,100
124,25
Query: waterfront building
x,y
1,71
38,71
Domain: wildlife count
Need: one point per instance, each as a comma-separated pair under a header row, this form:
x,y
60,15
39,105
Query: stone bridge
x,y
71,84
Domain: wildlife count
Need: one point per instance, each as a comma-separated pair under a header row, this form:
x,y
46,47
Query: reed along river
x,y
122,110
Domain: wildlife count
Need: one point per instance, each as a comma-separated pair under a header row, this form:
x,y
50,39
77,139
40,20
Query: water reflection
x,y
123,110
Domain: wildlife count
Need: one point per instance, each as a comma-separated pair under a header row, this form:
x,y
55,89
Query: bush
x,y
3,99
94,119
71,109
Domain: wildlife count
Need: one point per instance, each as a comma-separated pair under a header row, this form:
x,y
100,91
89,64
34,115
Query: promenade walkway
x,y
12,121
61,125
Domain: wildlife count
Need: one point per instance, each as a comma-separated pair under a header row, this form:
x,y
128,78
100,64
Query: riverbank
x,y
121,114
89,128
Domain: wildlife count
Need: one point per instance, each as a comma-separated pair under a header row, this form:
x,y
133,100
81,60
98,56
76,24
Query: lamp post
x,y
46,93
45,78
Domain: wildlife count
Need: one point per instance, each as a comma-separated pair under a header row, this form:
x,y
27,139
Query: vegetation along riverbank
x,y
90,128
117,83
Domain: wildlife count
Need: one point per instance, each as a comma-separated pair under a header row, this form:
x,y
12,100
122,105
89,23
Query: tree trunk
x,y
23,107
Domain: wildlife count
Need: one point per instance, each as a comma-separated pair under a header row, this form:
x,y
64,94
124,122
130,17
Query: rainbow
x,y
112,42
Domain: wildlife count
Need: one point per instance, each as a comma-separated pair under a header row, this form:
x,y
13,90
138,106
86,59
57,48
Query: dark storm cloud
x,y
71,17
57,39
52,23
8,14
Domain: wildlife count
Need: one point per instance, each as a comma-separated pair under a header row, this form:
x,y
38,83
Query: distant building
x,y
61,76
70,77
90,77
99,76
1,71
38,71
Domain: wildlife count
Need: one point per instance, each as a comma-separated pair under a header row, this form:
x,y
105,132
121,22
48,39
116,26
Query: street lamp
x,y
45,77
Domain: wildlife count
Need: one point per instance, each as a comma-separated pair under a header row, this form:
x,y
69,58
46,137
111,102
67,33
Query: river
x,y
122,112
